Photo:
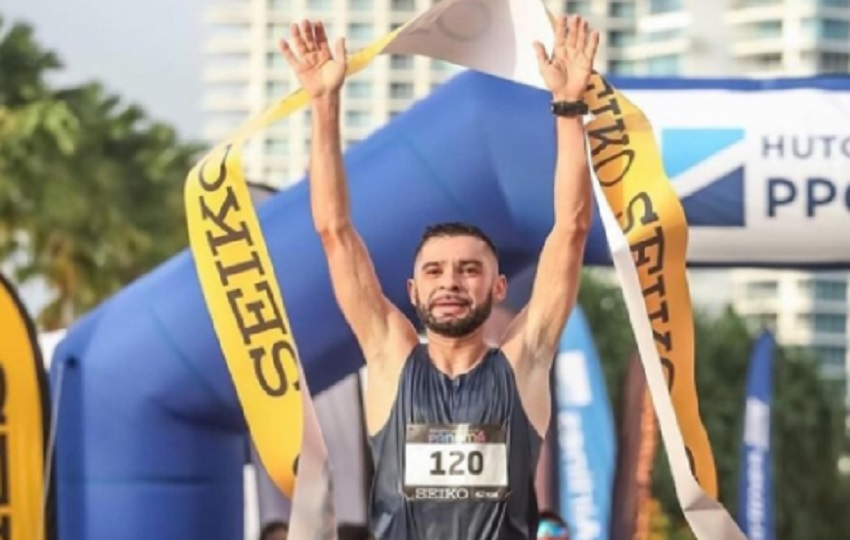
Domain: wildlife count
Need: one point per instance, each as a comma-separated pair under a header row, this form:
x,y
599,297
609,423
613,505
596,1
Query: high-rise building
x,y
722,37
245,73
803,310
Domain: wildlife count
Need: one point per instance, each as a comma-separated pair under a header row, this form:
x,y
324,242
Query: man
x,y
455,427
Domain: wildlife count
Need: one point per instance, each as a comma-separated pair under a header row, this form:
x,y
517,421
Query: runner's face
x,y
455,285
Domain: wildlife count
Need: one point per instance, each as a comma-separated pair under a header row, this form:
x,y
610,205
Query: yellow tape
x,y
242,293
22,424
629,168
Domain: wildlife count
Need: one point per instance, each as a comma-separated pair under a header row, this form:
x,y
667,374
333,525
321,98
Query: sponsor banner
x,y
755,484
26,510
585,428
757,187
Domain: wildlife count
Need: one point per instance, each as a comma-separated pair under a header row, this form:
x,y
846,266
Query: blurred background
x,y
94,91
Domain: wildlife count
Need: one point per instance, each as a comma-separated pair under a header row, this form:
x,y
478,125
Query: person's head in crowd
x,y
349,531
551,526
275,530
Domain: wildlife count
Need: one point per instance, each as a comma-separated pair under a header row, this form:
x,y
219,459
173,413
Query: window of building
x,y
403,5
823,323
360,31
277,147
621,38
663,65
441,65
361,5
401,61
833,62
664,6
354,118
625,10
767,61
760,321
278,31
824,289
275,60
830,323
826,28
621,67
759,290
277,89
280,5
663,35
358,89
836,356
581,7
319,5
765,29
401,90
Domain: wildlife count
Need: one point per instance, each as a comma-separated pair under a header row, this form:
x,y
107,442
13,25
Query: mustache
x,y
449,298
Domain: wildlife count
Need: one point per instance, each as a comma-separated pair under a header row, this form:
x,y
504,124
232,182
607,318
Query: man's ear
x,y
500,288
411,291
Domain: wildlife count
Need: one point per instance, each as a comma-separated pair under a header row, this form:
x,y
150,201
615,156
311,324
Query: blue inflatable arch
x,y
151,438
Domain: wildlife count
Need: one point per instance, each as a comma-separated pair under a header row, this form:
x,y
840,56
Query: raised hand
x,y
567,71
319,72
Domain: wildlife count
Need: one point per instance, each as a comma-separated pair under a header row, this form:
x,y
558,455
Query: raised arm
x,y
381,330
533,337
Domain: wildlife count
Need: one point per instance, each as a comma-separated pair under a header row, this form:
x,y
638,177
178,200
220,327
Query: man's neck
x,y
456,356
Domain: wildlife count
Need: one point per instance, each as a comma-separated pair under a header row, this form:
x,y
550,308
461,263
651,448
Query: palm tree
x,y
90,189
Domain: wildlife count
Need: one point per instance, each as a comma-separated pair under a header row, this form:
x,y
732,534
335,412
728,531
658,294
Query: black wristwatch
x,y
569,109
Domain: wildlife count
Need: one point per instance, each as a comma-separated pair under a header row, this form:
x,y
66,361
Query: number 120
x,y
461,463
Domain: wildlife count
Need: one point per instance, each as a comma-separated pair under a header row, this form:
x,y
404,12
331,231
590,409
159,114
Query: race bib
x,y
455,462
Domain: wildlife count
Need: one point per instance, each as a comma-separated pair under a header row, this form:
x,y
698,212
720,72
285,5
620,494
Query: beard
x,y
459,327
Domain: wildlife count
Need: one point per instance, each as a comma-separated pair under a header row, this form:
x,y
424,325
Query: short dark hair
x,y
454,228
273,527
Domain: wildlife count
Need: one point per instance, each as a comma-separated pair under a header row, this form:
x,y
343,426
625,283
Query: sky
x,y
149,52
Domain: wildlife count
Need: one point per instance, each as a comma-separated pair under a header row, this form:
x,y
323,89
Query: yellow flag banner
x,y
25,512
648,235
250,319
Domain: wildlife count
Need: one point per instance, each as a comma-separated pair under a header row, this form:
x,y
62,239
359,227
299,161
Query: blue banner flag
x,y
586,441
755,485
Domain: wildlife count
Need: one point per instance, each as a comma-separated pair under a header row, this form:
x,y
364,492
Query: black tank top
x,y
456,458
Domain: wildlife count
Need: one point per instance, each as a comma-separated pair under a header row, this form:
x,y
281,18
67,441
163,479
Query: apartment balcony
x,y
226,103
227,14
643,50
748,12
755,45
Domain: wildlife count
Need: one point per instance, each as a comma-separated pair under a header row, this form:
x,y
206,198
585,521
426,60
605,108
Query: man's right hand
x,y
319,72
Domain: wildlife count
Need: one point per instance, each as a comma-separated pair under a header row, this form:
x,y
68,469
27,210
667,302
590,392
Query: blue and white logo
x,y
706,167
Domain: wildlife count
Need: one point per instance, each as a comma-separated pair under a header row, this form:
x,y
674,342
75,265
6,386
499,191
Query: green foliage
x,y
808,419
90,189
